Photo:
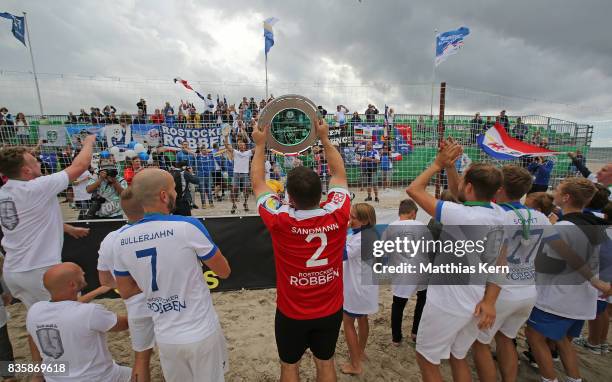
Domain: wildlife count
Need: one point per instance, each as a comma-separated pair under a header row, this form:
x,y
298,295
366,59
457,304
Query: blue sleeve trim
x,y
438,216
121,273
209,254
345,254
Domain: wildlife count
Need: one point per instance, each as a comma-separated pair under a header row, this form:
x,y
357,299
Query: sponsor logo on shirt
x,y
163,305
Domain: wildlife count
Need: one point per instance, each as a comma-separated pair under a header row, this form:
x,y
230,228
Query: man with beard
x,y
161,256
74,333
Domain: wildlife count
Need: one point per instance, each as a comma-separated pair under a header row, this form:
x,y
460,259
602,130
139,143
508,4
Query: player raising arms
x,y
308,238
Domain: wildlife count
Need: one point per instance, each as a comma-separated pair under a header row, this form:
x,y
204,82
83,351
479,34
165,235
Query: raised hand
x,y
260,135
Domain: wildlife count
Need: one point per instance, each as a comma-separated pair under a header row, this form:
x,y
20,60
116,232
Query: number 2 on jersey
x,y
150,252
314,261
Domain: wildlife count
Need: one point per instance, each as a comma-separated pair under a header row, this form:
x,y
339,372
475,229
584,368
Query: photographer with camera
x,y
106,192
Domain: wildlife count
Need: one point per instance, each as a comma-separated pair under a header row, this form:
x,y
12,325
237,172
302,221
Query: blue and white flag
x,y
269,33
18,26
448,43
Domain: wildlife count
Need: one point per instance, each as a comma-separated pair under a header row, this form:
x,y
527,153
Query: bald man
x,y
139,317
161,256
66,330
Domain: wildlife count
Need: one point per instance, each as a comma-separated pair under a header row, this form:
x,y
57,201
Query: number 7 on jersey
x,y
150,252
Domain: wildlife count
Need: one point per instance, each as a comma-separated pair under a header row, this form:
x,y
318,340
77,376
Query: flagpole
x,y
266,76
433,76
33,66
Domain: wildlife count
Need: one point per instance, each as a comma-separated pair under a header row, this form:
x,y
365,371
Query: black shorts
x,y
370,177
217,177
293,337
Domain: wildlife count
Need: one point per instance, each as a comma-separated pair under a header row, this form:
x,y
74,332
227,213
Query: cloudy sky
x,y
549,57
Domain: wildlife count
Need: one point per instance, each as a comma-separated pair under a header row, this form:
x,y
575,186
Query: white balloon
x,y
114,150
130,153
139,148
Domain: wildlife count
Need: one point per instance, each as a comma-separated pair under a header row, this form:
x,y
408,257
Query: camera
x,y
111,172
94,205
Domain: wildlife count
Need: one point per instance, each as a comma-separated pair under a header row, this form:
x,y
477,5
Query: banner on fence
x,y
52,135
174,136
339,136
147,135
79,131
117,135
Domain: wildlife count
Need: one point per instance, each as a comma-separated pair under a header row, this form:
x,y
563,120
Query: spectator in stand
x,y
84,117
185,154
81,196
476,127
66,157
544,143
488,124
6,126
370,160
262,104
322,111
168,110
355,119
240,183
72,119
520,129
181,119
142,105
96,116
503,119
210,104
573,168
140,118
194,119
112,119
371,113
541,168
125,119
22,129
133,167
107,185
386,168
157,118
108,110
217,172
205,165
340,115
252,104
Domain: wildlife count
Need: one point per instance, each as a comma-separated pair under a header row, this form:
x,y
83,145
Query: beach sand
x,y
247,318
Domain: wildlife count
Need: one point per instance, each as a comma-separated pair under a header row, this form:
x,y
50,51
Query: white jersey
x,y
73,332
405,285
558,293
521,254
360,296
462,299
241,161
135,305
163,253
32,222
80,190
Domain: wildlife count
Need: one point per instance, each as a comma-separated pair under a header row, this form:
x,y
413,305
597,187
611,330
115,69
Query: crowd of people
x,y
154,261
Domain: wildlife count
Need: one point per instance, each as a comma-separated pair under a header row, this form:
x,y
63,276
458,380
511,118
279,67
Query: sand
x,y
247,318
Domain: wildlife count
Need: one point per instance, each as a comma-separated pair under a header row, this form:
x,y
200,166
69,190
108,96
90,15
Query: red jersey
x,y
308,248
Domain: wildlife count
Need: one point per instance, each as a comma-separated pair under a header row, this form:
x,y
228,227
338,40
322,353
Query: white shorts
x,y
203,361
28,286
121,374
141,333
442,334
510,316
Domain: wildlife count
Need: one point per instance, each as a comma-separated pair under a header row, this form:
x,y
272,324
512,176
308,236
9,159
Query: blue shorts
x,y
553,326
601,306
354,315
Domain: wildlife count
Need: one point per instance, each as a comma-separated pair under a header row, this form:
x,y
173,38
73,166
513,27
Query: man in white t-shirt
x,y
68,331
566,298
241,183
454,314
32,221
142,333
79,187
161,257
340,115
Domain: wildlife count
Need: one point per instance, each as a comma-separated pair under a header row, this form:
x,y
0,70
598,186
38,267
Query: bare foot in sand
x,y
348,368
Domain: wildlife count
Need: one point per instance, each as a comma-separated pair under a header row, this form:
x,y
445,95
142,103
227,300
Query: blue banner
x,y
174,136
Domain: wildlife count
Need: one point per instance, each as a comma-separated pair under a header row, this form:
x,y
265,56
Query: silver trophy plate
x,y
292,121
